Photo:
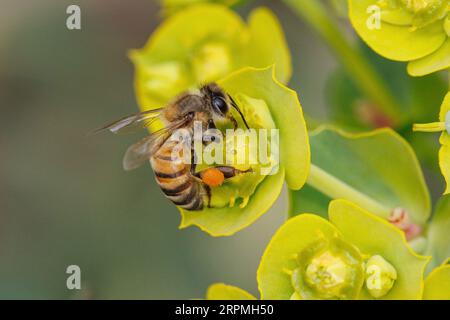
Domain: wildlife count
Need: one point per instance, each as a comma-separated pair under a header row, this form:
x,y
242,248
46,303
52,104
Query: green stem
x,y
429,127
337,189
358,67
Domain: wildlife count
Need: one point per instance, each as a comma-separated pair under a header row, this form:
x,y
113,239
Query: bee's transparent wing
x,y
132,123
141,151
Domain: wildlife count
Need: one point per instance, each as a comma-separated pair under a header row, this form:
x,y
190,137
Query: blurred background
x,y
64,198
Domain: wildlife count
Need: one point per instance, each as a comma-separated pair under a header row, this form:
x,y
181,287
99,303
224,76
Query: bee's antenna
x,y
233,103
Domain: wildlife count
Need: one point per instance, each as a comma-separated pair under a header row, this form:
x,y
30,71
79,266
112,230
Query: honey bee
x,y
179,181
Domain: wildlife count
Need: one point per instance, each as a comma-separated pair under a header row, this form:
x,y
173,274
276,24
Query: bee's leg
x,y
230,172
193,166
193,161
195,175
208,194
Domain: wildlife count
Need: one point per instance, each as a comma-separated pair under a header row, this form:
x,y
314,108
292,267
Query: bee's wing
x,y
141,151
132,123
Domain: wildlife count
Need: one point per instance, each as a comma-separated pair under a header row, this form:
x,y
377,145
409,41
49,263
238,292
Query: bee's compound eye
x,y
220,105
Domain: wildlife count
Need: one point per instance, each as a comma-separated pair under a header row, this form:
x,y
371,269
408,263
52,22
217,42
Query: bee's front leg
x,y
234,122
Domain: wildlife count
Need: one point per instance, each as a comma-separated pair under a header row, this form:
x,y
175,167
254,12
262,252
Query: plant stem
x,y
337,189
429,127
359,68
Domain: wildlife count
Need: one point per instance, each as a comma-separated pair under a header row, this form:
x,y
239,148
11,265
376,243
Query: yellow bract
x,y
415,31
437,284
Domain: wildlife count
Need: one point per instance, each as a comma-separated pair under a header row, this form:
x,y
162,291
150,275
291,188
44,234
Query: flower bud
x,y
399,217
380,276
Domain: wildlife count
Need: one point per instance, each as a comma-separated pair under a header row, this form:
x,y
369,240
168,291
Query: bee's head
x,y
219,102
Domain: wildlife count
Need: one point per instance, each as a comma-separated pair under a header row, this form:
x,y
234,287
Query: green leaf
x,y
437,284
375,236
438,233
308,199
221,291
377,170
420,99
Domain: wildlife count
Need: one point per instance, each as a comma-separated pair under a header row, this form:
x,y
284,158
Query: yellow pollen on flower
x,y
326,273
232,201
244,202
419,5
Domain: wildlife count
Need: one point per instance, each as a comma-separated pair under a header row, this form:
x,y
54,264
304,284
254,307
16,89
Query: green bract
x,y
378,168
375,236
437,284
311,258
416,31
265,103
221,291
203,44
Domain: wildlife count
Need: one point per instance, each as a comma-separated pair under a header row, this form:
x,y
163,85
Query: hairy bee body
x,y
175,179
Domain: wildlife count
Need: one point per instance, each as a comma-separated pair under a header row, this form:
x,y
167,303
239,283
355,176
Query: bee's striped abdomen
x,y
175,179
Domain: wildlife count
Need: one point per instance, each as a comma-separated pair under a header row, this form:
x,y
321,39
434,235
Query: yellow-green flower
x,y
266,104
202,44
437,284
355,255
414,31
221,291
442,126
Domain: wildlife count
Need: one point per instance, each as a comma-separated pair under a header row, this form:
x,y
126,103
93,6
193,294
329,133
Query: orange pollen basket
x,y
212,177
